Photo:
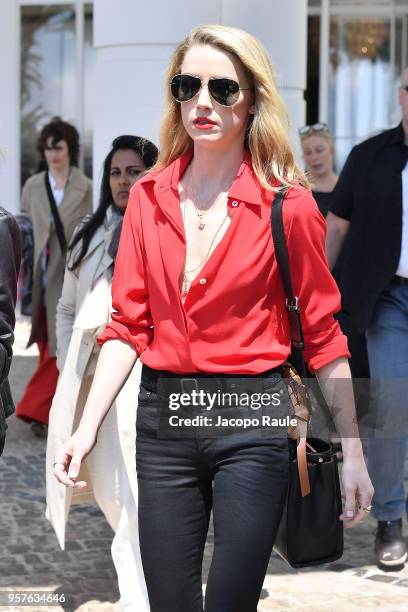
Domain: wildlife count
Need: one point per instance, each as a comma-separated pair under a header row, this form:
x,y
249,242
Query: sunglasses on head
x,y
225,91
313,129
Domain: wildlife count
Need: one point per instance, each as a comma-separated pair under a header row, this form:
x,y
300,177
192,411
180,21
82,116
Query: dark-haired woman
x,y
55,200
82,313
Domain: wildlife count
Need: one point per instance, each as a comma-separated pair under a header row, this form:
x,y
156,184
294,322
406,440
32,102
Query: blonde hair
x,y
267,132
325,134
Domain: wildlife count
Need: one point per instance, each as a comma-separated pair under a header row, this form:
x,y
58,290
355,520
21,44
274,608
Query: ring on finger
x,y
54,465
367,510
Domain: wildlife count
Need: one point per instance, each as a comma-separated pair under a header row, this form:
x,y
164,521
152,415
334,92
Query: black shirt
x,y
369,195
323,201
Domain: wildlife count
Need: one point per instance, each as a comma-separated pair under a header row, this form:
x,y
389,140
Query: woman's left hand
x,y
358,490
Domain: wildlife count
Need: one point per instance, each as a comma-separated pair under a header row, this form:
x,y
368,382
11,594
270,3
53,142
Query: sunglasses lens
x,y
315,128
184,87
224,91
319,127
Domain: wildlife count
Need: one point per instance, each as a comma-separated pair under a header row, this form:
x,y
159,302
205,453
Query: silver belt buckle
x,y
188,384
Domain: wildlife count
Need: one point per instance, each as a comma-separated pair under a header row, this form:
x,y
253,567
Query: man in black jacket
x,y
370,207
10,255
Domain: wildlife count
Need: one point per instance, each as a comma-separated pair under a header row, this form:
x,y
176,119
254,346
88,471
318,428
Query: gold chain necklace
x,y
200,210
187,273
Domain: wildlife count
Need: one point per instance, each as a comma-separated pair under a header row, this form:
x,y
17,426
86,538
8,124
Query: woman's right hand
x,y
102,394
69,457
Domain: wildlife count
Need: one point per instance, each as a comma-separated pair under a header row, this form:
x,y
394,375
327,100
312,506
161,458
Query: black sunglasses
x,y
405,88
315,128
225,91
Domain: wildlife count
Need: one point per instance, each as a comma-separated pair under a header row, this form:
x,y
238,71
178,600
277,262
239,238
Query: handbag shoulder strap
x,y
282,258
297,340
59,228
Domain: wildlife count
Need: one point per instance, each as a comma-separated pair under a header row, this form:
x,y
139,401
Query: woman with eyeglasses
x,y
82,313
198,297
318,153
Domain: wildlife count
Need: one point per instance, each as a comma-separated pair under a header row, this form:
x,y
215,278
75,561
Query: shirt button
x,y
234,203
203,281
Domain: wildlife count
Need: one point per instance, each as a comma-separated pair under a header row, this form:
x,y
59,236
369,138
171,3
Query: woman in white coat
x,y
83,311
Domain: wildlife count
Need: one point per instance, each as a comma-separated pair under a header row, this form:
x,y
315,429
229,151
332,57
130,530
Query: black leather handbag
x,y
310,532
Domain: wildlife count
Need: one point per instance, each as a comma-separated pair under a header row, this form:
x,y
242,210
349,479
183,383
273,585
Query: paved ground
x,y
30,558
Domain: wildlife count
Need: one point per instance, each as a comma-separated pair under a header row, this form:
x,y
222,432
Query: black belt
x,y
232,397
400,280
185,382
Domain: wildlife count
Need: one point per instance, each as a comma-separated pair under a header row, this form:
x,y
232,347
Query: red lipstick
x,y
203,123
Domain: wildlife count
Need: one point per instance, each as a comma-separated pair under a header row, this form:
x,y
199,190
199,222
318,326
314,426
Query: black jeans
x,y
242,477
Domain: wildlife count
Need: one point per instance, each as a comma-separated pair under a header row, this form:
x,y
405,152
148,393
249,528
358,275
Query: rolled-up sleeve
x,y
319,297
131,318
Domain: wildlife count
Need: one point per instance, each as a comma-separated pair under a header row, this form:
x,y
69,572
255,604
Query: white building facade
x,y
101,65
109,80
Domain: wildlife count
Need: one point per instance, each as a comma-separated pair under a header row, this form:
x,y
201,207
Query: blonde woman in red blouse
x,y
197,291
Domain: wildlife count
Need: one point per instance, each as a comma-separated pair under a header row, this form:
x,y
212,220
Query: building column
x,y
10,105
281,26
133,44
134,41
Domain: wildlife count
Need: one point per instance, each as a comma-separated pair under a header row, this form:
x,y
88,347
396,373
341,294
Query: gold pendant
x,y
185,286
201,224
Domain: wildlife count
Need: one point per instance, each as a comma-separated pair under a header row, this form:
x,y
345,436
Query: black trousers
x,y
242,477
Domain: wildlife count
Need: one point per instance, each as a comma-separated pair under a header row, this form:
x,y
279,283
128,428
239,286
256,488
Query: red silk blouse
x,y
233,319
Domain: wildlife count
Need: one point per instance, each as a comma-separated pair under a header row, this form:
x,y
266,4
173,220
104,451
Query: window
x,y
56,75
367,50
360,80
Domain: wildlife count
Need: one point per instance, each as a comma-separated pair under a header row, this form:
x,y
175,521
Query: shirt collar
x,y
53,182
398,135
246,186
